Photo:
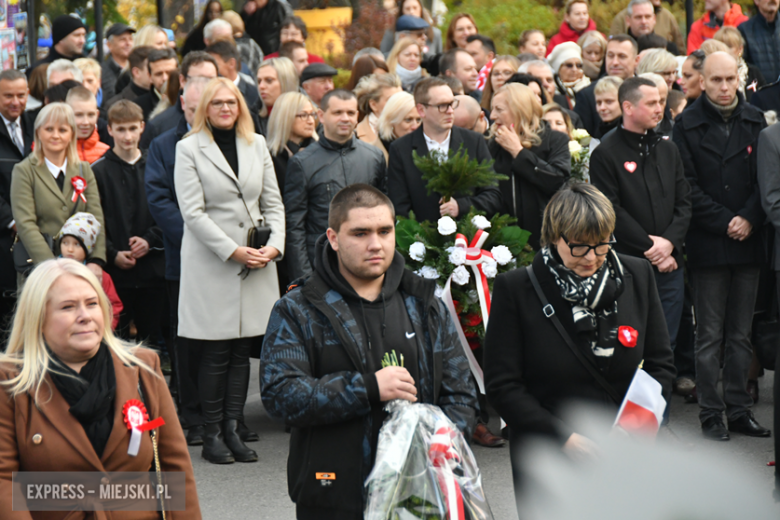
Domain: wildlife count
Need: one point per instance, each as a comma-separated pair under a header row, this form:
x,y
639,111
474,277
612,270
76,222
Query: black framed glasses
x,y
443,107
580,250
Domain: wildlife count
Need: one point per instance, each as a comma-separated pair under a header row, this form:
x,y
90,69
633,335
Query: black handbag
x,y
257,236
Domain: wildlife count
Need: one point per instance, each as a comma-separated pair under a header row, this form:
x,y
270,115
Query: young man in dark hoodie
x,y
321,369
134,245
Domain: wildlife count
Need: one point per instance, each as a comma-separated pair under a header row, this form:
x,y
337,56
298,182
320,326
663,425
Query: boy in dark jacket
x,y
321,369
134,251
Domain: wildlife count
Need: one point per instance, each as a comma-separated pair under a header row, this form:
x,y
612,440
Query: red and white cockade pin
x,y
628,336
137,420
79,187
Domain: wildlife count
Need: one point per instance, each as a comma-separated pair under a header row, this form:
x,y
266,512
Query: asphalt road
x,y
259,490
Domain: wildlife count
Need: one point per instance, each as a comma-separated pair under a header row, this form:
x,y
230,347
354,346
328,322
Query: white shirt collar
x,y
55,170
444,146
237,81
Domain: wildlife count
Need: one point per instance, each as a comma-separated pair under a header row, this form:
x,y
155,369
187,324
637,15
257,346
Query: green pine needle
x,y
457,175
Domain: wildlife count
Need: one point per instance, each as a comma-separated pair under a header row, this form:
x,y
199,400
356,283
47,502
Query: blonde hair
x,y
245,127
235,21
656,60
396,108
370,88
659,80
607,84
27,347
590,37
147,35
398,48
282,119
89,65
730,36
579,211
58,113
526,111
487,92
285,74
712,45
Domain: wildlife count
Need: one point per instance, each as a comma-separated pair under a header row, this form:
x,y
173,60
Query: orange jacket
x,y
705,27
91,149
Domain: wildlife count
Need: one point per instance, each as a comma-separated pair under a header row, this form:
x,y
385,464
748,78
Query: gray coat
x,y
314,176
769,182
215,303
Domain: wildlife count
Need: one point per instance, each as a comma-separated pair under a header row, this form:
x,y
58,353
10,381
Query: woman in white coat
x,y
226,185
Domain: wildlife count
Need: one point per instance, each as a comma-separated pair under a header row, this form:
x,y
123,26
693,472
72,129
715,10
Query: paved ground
x,y
259,490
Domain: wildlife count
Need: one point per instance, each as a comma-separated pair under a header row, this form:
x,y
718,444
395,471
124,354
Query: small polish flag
x,y
643,407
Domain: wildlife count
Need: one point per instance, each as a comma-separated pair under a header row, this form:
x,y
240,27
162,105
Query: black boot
x,y
195,436
245,433
214,448
233,441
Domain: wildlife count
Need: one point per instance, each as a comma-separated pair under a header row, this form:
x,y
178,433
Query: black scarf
x,y
90,394
594,300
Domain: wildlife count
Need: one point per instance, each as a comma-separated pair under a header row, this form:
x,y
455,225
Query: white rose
x,y
429,272
417,251
460,275
490,268
447,226
574,147
438,292
579,134
501,254
480,221
458,256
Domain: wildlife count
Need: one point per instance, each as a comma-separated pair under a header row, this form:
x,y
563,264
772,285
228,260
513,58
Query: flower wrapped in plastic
x,y
424,469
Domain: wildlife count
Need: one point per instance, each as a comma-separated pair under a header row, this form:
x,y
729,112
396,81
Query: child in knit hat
x,y
76,240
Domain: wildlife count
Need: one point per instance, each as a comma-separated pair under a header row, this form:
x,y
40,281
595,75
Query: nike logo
x,y
409,335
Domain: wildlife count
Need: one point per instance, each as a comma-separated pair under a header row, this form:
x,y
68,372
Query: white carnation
x,y
447,226
417,251
458,256
480,221
501,254
460,275
490,268
428,272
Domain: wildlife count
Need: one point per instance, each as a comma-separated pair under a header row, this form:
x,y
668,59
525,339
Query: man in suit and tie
x,y
436,105
229,65
16,137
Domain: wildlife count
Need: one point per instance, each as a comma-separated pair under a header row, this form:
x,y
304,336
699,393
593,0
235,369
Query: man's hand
x,y
739,228
396,383
668,265
448,208
579,447
661,250
96,270
124,260
138,247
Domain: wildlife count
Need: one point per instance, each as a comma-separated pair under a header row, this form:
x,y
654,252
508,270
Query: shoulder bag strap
x,y
549,312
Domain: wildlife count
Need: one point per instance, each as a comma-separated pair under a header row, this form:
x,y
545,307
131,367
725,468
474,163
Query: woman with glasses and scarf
x,y
531,371
566,62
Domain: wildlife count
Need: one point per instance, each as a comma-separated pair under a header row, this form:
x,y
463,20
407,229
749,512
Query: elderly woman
x,y
372,94
226,187
52,184
67,381
533,369
400,117
404,61
661,62
750,77
534,157
504,67
566,62
594,48
275,76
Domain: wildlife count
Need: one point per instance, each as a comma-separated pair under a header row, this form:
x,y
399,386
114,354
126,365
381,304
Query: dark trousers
x,y
144,306
483,416
185,360
223,379
777,406
305,513
671,291
725,297
684,357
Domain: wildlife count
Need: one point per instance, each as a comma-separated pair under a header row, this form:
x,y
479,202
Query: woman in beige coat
x,y
225,184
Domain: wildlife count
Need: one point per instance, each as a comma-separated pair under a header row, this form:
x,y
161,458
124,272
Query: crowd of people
x,y
227,201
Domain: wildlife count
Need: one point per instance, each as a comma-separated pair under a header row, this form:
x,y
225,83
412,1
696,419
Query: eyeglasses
x,y
572,65
306,115
231,103
443,107
580,250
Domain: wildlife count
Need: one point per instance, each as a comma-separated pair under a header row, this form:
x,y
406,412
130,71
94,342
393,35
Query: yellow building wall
x,y
323,40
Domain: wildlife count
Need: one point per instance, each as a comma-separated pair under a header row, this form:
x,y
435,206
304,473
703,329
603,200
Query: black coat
x,y
126,214
653,199
534,177
767,98
531,373
194,42
585,106
52,56
720,164
164,121
265,24
147,102
130,93
754,81
406,187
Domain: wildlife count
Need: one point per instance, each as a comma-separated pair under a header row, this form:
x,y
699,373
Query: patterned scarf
x,y
594,300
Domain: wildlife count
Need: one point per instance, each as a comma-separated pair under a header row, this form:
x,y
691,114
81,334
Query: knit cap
x,y
63,25
85,227
561,53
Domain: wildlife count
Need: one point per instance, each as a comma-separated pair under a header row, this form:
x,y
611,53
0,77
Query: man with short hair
x,y
160,65
717,137
666,24
414,27
85,111
642,175
317,80
217,30
196,64
620,60
436,105
640,19
458,63
68,36
140,82
718,13
315,174
469,115
483,50
119,39
62,70
321,366
229,66
762,39
544,72
296,53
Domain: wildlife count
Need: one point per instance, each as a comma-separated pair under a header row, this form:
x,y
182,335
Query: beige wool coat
x,y
215,303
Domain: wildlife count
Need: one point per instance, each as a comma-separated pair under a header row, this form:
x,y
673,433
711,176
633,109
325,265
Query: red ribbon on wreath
x,y
445,458
79,187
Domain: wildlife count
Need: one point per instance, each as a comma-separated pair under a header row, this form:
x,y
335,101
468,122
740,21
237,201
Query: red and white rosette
x,y
79,187
444,458
137,420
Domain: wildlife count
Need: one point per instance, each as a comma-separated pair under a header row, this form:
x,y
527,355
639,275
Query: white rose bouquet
x,y
579,148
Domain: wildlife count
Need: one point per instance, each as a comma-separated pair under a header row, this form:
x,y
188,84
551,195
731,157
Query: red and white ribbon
x,y
444,458
137,420
79,187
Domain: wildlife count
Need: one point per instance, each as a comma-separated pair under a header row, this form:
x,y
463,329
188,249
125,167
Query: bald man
x,y
469,115
718,139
